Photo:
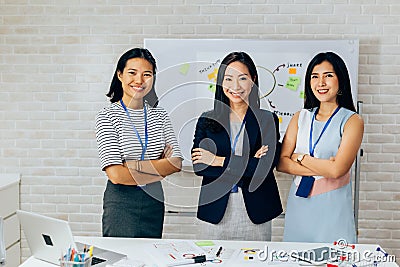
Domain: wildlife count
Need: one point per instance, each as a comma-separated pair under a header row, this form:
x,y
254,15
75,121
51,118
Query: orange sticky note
x,y
213,74
292,70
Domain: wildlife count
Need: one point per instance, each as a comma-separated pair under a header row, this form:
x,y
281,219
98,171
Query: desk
x,y
138,249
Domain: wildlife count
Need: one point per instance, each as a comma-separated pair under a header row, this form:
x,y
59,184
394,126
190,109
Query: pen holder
x,y
86,263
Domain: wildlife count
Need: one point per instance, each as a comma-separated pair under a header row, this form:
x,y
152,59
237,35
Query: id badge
x,y
305,186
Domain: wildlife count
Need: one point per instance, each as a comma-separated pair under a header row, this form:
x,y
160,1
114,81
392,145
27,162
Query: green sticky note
x,y
184,68
301,94
204,243
291,86
295,80
212,88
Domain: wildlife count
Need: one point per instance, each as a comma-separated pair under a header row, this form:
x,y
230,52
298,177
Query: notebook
x,y
48,238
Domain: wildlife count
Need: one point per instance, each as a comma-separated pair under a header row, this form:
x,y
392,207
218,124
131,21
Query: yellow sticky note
x,y
184,68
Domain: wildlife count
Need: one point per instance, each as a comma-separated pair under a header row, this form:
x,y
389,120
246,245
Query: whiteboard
x,y
187,72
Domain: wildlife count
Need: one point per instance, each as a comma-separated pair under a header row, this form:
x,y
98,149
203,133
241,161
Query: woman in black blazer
x,y
235,148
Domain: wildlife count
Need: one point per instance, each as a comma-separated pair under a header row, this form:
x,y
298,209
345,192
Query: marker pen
x,y
195,259
219,251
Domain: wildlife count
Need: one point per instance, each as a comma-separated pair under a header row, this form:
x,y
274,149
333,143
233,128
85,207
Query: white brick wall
x,y
57,59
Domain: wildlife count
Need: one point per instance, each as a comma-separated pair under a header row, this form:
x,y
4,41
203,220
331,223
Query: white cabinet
x,y
9,203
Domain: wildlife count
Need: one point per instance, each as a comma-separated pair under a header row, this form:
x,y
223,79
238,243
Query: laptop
x,y
48,238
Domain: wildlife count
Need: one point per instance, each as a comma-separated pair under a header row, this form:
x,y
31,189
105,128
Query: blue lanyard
x,y
312,147
146,136
233,145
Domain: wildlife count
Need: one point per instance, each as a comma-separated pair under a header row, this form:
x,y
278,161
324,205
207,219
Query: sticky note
x,y
294,79
292,70
302,94
293,83
212,88
204,243
213,75
291,86
184,68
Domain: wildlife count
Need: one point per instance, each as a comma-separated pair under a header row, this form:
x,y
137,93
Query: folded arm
x,y
286,163
134,172
120,174
340,165
206,163
334,167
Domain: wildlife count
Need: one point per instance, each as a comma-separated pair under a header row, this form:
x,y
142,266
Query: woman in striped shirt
x,y
137,149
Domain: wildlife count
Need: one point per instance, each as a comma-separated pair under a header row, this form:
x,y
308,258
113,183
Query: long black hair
x,y
221,110
116,92
344,97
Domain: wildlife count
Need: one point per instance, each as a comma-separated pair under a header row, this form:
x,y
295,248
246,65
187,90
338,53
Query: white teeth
x,y
235,93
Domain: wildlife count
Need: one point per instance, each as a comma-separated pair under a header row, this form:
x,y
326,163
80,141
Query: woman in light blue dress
x,y
319,148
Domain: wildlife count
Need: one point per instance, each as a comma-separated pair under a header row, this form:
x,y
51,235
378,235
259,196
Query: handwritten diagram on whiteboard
x,y
187,73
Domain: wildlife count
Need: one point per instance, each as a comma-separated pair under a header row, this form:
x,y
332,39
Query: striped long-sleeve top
x,y
117,140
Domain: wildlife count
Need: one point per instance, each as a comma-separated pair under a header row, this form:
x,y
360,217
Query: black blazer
x,y
255,176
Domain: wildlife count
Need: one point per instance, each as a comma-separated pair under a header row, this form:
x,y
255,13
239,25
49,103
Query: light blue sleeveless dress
x,y
325,217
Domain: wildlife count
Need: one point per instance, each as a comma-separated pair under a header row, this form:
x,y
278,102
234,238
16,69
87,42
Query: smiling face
x,y
324,82
237,82
136,80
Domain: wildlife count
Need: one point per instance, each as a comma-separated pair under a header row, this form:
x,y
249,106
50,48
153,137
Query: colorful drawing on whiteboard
x,y
283,76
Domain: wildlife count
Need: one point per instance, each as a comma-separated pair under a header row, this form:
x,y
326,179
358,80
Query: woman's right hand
x,y
200,155
167,153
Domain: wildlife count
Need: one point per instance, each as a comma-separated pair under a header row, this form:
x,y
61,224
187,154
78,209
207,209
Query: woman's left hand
x,y
294,156
261,152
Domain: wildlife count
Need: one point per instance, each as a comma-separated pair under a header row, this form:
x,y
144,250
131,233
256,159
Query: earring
x,y
339,92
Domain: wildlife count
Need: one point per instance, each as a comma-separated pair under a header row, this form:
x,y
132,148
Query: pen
x,y
195,259
172,211
72,255
219,251
90,251
68,256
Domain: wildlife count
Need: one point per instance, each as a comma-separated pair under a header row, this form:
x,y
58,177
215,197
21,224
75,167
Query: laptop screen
x,y
48,238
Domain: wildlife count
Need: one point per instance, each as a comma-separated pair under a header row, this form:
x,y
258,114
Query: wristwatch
x,y
300,158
